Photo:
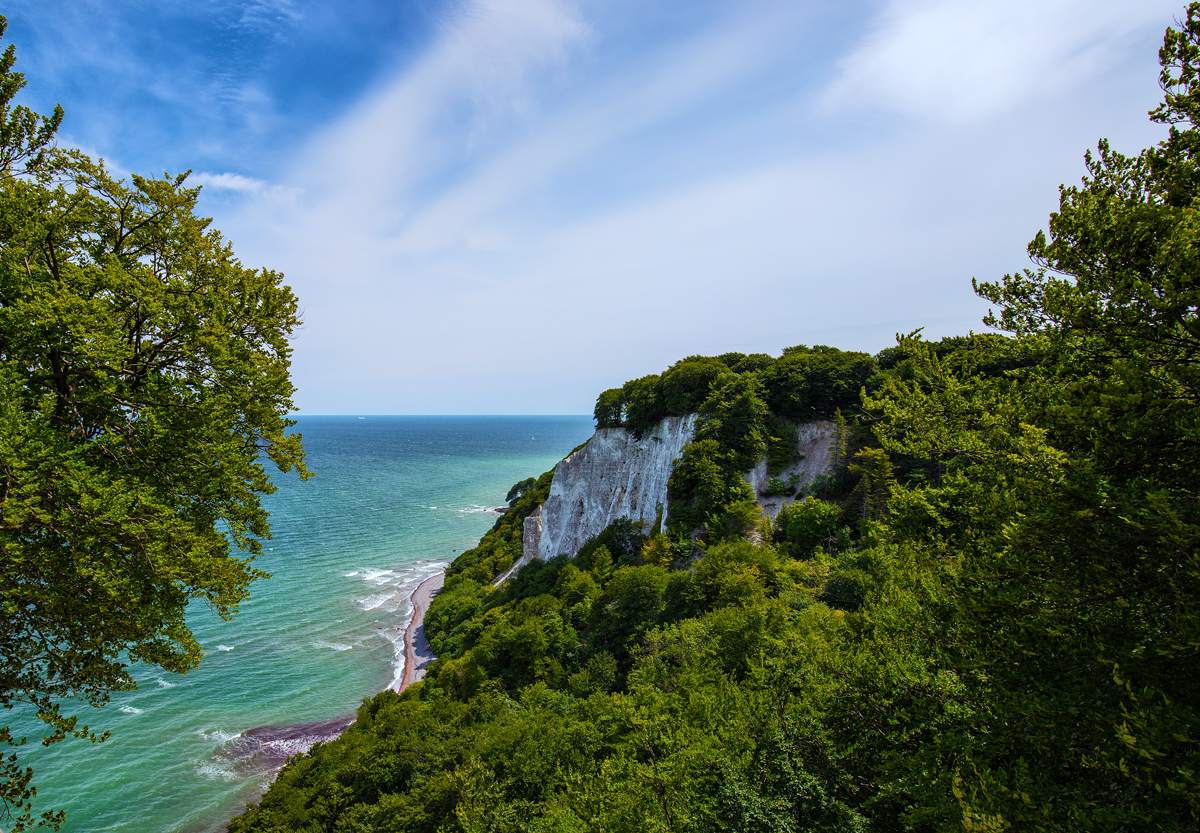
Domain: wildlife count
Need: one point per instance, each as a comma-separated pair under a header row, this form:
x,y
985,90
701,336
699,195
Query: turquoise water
x,y
393,500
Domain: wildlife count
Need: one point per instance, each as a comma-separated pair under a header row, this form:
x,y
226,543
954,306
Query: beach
x,y
417,653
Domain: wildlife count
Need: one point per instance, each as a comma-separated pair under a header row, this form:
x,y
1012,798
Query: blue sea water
x,y
392,501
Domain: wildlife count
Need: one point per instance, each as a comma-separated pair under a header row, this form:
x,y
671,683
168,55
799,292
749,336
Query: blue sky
x,y
507,206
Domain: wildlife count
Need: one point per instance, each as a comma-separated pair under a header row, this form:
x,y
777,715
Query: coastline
x,y
269,748
417,653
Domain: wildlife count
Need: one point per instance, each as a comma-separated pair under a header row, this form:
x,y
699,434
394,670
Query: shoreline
x,y
417,653
417,657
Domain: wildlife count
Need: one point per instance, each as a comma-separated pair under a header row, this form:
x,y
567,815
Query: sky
x,y
508,206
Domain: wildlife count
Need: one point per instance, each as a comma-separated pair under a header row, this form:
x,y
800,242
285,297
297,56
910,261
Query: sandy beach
x,y
417,654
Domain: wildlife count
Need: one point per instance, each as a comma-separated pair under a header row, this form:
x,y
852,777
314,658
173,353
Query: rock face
x,y
613,476
618,476
816,441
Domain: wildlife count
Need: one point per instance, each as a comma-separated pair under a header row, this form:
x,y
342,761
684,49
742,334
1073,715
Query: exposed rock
x,y
614,476
530,534
816,450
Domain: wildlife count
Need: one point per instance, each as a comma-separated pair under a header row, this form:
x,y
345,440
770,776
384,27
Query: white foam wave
x,y
375,576
218,771
386,601
218,736
351,575
130,710
163,683
287,747
225,647
396,637
477,510
333,646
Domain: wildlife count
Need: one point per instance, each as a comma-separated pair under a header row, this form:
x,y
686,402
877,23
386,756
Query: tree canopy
x,y
144,381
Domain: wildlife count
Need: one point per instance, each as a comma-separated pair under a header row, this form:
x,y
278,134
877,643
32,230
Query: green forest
x,y
983,618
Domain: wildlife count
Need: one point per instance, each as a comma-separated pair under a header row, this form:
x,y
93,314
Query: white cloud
x,y
228,182
268,13
965,60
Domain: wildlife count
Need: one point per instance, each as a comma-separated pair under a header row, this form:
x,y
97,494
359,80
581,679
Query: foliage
x,y
734,415
802,527
1070,496
706,489
143,384
26,137
778,487
705,481
518,489
783,445
643,404
623,540
610,409
687,383
813,384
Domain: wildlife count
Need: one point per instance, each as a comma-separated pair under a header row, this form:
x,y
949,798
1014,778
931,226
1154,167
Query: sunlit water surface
x,y
393,500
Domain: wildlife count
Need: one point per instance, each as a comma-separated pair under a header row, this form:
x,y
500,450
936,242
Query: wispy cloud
x,y
228,182
269,13
965,60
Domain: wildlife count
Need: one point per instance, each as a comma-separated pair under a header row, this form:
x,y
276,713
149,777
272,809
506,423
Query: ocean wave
x,y
396,637
225,647
333,646
380,600
351,575
218,736
130,710
218,771
375,576
477,510
163,683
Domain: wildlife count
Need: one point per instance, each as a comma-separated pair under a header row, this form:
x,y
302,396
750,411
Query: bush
x,y
777,487
809,524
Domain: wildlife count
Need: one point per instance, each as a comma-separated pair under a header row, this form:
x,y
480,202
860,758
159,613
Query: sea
x,y
392,501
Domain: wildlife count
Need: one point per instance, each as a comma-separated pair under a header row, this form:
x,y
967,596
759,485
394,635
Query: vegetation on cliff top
x,y
984,622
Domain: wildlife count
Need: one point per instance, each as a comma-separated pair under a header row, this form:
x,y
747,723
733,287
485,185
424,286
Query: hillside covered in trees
x,y
982,619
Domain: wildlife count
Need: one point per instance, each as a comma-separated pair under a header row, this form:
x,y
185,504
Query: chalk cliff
x,y
618,476
614,476
816,447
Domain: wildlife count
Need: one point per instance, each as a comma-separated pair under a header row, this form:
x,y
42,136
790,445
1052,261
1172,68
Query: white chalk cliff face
x,y
613,476
816,447
618,476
